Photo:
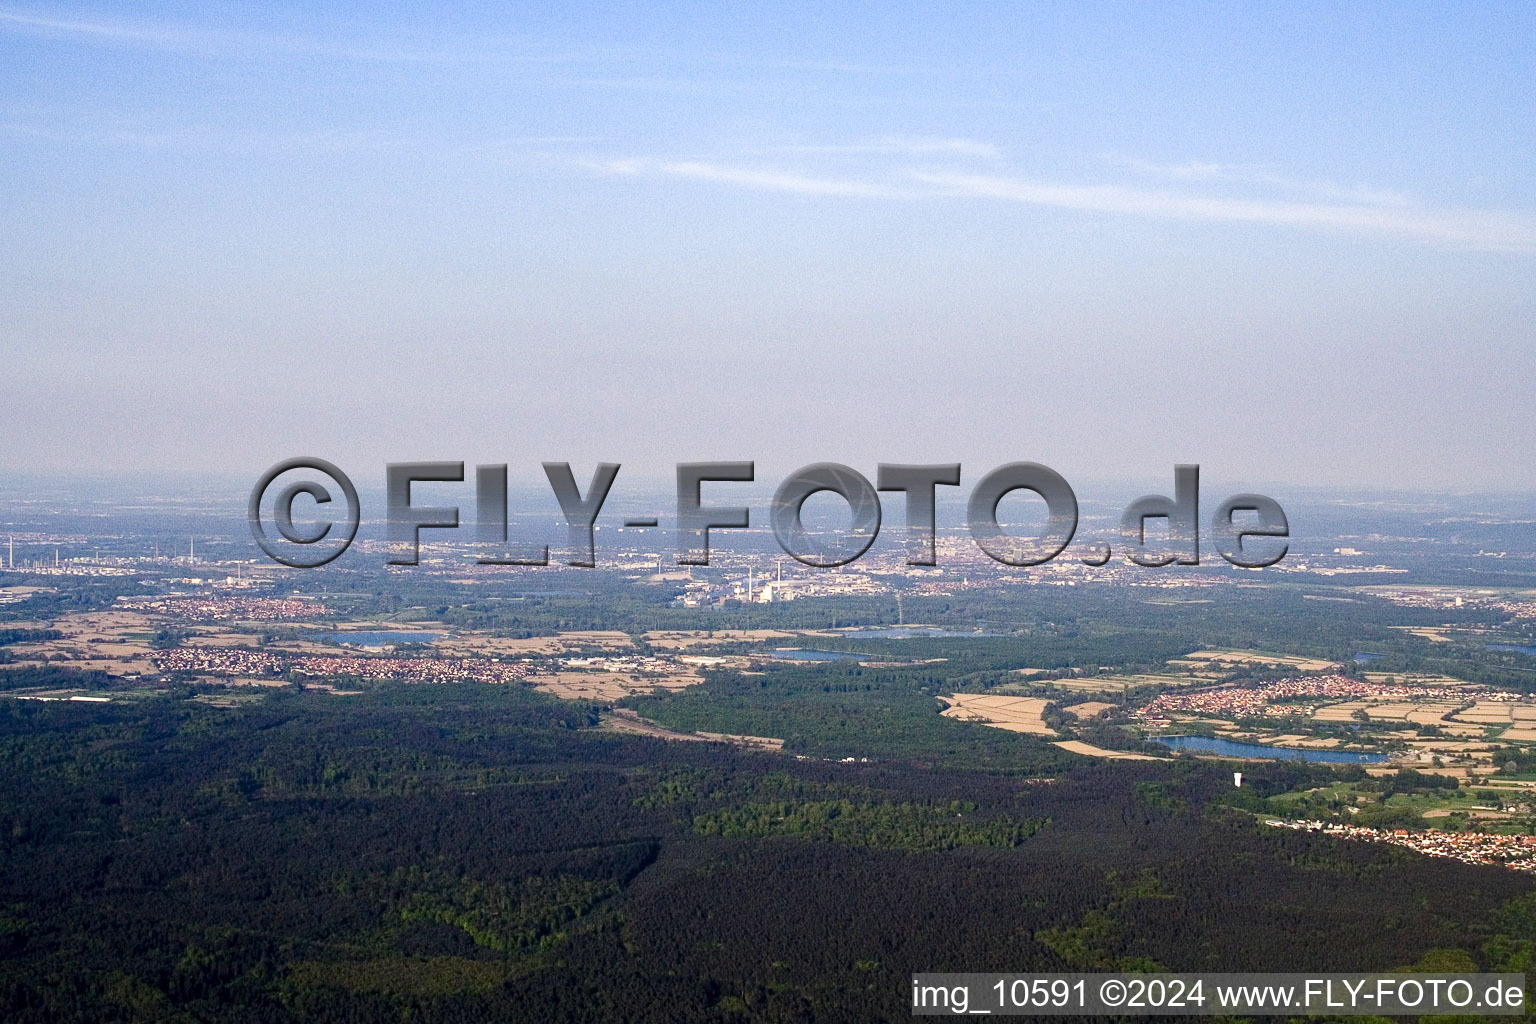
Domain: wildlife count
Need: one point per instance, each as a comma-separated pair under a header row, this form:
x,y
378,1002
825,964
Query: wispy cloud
x,y
768,180
192,138
1482,229
1491,230
194,41
904,145
608,65
128,32
1254,174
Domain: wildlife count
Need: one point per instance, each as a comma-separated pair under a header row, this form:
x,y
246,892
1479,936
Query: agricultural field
x,y
1016,714
601,685
1088,708
115,642
1225,660
1119,685
1507,722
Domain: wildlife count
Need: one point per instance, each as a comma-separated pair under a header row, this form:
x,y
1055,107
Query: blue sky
x,y
1292,243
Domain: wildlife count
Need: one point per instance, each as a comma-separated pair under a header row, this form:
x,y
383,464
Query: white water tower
x,y
1237,779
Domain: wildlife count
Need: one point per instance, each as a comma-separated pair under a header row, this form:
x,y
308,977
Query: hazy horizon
x,y
1287,245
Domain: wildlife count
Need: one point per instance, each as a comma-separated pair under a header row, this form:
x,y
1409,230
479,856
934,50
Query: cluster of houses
x,y
243,662
1509,851
216,608
1301,695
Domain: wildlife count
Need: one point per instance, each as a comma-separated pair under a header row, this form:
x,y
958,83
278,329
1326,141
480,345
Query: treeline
x,y
55,677
27,636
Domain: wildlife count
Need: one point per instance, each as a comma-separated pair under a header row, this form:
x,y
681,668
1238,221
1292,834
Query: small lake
x,y
381,638
1516,648
1231,748
796,654
1366,657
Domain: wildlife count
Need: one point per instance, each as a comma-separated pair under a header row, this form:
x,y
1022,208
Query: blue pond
x,y
1517,648
1232,748
1364,657
366,638
796,654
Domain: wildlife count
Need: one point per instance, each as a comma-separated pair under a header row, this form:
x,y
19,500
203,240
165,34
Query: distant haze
x,y
1289,244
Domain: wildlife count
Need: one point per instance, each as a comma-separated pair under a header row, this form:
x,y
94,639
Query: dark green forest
x,y
484,853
